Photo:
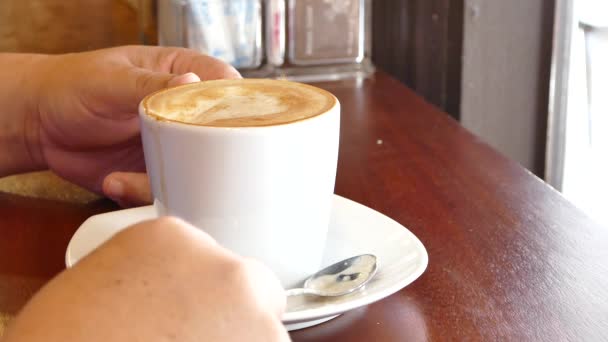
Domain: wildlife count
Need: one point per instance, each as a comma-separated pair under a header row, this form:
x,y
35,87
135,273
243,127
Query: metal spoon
x,y
340,278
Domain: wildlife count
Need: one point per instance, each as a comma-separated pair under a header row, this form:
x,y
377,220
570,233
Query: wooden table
x,y
509,257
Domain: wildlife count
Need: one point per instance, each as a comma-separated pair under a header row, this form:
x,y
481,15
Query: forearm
x,y
19,123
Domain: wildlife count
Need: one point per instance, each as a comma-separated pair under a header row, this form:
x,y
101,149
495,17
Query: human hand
x,y
157,281
87,112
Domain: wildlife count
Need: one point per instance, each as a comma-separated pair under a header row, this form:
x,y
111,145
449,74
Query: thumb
x,y
129,189
188,77
147,82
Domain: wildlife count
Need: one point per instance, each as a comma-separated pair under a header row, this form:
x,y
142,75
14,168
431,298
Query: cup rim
x,y
161,120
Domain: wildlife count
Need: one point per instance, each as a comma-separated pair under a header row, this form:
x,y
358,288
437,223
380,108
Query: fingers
x,y
147,69
145,82
206,67
186,78
128,189
180,61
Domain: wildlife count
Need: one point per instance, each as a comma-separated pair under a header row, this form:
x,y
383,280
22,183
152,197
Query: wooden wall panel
x,y
58,26
420,43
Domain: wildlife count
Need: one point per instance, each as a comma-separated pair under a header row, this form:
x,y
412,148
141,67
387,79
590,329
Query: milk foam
x,y
239,103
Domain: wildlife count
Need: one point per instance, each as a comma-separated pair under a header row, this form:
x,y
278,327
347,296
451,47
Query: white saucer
x,y
354,229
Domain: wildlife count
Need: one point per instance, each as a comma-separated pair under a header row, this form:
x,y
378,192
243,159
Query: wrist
x,y
20,149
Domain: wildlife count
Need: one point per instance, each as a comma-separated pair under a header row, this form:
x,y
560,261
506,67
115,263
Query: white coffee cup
x,y
262,192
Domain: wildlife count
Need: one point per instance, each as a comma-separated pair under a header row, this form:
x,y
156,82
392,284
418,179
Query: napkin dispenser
x,y
306,40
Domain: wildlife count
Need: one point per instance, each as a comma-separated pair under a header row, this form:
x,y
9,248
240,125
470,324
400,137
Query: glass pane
x,y
585,180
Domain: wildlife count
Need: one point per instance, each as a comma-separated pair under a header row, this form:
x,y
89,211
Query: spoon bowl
x,y
339,279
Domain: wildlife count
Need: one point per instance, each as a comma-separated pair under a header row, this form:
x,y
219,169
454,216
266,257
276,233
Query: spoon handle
x,y
298,291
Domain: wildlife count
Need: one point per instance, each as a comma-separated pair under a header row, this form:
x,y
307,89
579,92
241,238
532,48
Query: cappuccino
x,y
251,162
239,103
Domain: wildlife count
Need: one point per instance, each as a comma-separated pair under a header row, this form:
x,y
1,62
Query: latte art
x,y
239,103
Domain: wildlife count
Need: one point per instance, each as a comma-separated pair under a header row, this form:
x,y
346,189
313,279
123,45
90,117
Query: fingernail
x,y
232,73
189,77
115,189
